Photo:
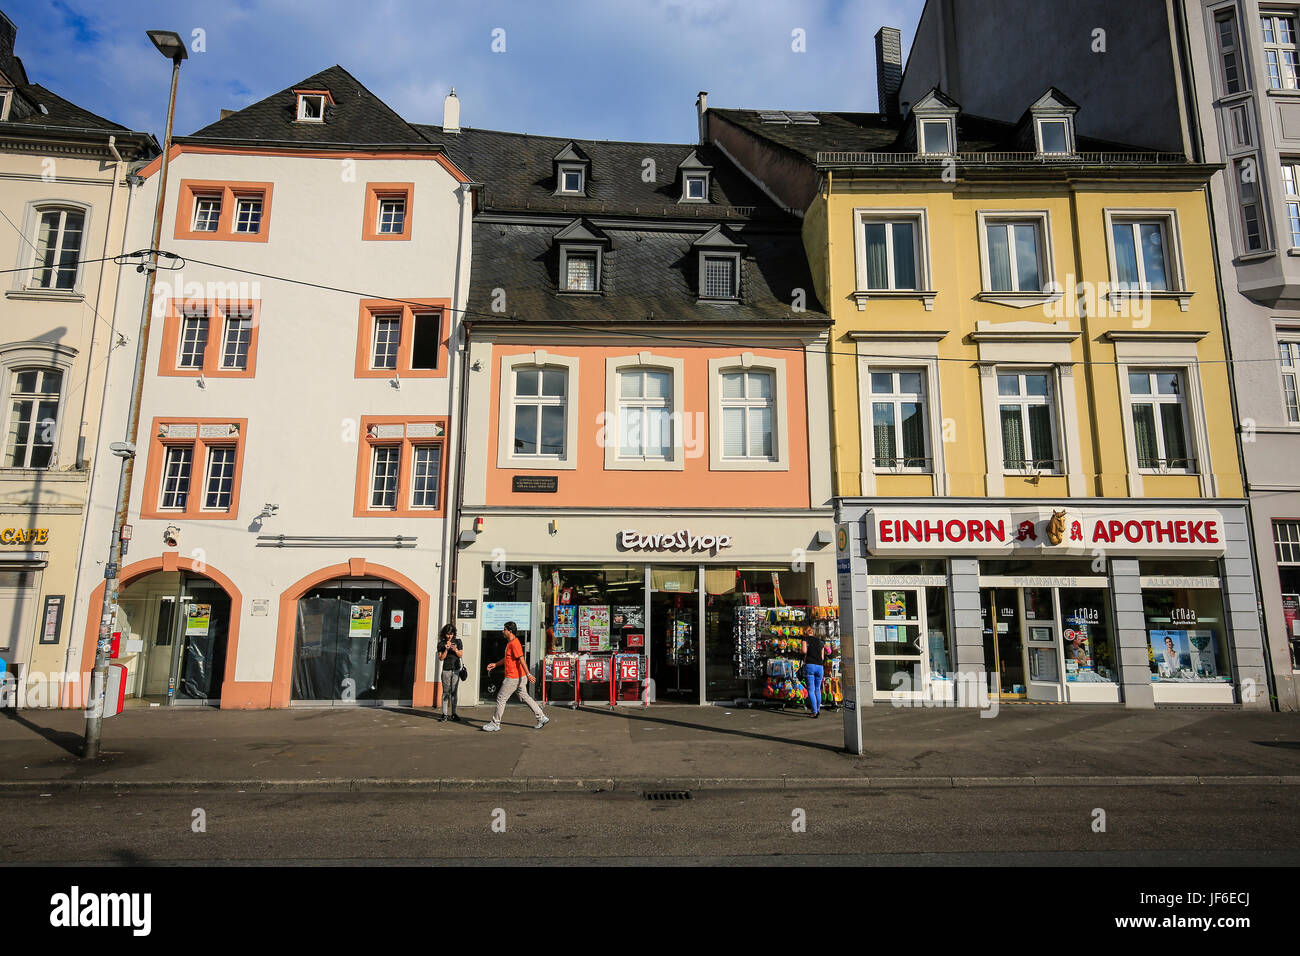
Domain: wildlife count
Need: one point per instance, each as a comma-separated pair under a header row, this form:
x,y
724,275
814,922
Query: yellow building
x,y
1036,471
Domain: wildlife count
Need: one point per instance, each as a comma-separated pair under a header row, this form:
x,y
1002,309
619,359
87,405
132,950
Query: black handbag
x,y
464,672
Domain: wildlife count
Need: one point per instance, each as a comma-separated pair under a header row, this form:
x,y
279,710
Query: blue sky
x,y
591,69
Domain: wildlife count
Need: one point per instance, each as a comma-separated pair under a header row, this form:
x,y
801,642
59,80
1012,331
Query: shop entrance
x,y
1022,641
355,643
1004,649
174,627
675,634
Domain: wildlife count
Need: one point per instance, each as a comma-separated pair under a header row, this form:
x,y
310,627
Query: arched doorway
x,y
178,622
352,634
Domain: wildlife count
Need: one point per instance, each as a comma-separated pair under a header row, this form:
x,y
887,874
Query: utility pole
x,y
170,45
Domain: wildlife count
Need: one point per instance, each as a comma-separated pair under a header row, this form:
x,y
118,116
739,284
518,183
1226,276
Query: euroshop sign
x,y
1043,531
685,540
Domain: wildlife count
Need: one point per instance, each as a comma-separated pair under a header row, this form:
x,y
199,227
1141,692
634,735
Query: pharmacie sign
x,y
997,531
684,540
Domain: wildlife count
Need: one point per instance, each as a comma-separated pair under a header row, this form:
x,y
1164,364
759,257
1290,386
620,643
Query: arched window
x,y
33,416
60,237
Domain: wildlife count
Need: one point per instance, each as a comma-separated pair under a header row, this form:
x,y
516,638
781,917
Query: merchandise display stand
x,y
560,669
782,646
628,669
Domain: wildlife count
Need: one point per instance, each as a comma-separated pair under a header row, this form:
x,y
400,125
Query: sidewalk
x,y
636,748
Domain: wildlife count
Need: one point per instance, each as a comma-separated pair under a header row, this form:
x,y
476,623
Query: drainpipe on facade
x,y
103,399
467,330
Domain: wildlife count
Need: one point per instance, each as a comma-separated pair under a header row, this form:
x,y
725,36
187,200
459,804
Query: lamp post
x,y
170,45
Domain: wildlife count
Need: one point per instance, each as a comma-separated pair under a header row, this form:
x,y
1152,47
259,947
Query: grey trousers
x,y
508,687
450,685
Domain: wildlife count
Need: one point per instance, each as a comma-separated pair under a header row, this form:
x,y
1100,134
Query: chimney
x,y
451,113
889,69
702,107
8,33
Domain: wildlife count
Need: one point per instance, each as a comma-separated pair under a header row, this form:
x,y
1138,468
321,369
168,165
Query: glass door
x,y
675,637
1043,646
1004,651
899,653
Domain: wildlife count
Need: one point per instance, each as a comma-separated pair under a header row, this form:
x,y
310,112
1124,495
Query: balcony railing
x,y
1187,465
849,158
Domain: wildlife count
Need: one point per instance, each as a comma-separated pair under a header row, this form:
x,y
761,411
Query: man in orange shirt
x,y
516,671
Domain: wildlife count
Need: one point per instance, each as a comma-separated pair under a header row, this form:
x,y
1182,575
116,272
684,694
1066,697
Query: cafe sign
x,y
1043,531
684,540
25,536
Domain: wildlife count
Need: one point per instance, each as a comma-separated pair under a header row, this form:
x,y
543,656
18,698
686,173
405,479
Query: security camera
x,y
170,535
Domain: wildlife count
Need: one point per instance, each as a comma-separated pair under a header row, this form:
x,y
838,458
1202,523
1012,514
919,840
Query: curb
x,y
631,784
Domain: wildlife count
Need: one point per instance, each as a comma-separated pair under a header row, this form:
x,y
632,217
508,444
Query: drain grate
x,y
666,795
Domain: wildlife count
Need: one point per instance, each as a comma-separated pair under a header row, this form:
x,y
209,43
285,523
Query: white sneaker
x,y
490,725
542,723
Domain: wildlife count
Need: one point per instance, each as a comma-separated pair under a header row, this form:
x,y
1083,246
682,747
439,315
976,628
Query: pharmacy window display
x,y
1186,635
1086,631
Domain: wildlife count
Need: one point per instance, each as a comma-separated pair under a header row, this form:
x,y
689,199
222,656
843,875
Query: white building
x,y
290,495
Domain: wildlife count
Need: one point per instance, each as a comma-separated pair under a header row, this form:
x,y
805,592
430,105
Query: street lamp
x,y
170,45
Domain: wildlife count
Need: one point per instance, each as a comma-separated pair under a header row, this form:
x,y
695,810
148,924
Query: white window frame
x,y
211,452
1291,197
1042,220
242,203
1066,121
167,476
1229,15
1276,52
6,101
1289,365
396,476
747,362
1156,399
16,356
35,426
897,399
646,361
400,202
921,251
506,457
200,199
1025,401
302,107
922,138
562,171
1175,276
734,257
236,333
375,319
31,249
579,249
687,179
199,319
416,449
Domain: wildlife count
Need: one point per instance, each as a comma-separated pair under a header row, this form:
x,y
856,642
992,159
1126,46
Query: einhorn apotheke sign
x,y
631,539
1044,531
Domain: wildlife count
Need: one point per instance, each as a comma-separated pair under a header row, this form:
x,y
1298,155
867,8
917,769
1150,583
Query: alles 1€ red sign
x,y
1043,530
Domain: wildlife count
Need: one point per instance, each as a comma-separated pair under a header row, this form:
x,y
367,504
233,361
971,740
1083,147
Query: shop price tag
x,y
595,670
629,669
562,670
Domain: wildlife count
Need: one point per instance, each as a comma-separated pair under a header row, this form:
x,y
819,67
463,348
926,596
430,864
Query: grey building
x,y
1221,82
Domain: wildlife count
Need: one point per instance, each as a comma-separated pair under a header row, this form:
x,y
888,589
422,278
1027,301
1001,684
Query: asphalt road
x,y
1144,826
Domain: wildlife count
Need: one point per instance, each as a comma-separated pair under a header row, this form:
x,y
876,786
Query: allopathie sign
x,y
1044,531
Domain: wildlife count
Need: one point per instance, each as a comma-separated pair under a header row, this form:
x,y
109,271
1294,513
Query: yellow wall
x,y
1079,251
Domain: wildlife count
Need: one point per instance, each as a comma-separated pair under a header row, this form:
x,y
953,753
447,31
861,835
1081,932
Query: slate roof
x,y
877,133
58,112
518,174
647,276
357,118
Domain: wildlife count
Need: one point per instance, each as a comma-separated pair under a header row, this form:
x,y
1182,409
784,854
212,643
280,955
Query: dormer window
x,y
572,180
311,105
697,188
936,137
694,177
719,265
1053,124
581,248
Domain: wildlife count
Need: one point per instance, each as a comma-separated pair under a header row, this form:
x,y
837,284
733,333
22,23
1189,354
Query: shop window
x,y
194,469
401,338
898,427
1027,410
1087,635
507,596
1286,542
212,338
388,209
1158,407
1187,635
225,211
400,467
